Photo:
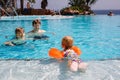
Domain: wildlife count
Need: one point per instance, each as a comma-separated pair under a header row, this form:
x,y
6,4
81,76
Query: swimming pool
x,y
97,36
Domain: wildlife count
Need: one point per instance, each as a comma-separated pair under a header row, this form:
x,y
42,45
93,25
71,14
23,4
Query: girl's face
x,y
19,35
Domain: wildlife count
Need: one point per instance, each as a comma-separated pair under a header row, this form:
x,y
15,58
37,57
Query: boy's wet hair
x,y
67,41
36,21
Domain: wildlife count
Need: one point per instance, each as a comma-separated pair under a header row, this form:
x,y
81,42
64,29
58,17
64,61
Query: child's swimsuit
x,y
71,55
18,42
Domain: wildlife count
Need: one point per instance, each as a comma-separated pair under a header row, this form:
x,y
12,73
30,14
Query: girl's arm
x,y
9,43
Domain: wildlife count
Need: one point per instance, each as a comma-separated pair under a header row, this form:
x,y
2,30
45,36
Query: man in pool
x,y
36,33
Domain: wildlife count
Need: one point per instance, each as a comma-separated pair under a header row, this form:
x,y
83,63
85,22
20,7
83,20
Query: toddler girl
x,y
74,63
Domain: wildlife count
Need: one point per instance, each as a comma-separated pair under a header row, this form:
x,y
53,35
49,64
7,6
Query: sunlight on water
x,y
97,37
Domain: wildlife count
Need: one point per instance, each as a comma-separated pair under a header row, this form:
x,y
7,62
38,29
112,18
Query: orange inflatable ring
x,y
55,53
77,50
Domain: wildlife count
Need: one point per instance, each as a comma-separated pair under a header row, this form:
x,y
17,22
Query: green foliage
x,y
76,2
32,1
73,8
81,5
81,2
90,2
76,8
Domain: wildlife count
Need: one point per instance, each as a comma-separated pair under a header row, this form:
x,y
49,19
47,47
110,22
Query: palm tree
x,y
32,1
90,2
76,2
44,4
81,2
13,3
3,3
21,4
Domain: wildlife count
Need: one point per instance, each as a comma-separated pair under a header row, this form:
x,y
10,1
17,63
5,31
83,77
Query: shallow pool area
x,y
53,70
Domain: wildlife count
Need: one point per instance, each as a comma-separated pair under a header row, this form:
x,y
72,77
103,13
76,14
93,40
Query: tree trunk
x,y
13,3
44,4
21,4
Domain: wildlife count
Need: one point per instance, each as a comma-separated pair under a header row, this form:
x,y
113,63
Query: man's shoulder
x,y
42,31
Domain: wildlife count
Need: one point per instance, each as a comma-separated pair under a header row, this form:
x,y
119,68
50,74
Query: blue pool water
x,y
97,36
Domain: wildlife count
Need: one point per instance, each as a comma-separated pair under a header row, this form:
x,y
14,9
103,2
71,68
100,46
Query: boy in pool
x,y
74,63
19,37
36,33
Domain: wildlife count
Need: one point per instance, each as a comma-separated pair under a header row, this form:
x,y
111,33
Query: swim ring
x,y
55,53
